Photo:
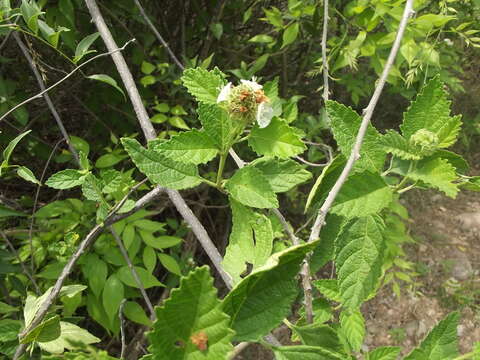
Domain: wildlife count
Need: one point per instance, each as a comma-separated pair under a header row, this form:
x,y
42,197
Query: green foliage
x,y
203,85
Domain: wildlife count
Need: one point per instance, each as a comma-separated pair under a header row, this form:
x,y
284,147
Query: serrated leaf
x,y
160,169
438,173
396,144
92,188
217,125
282,175
345,124
303,352
260,301
204,85
324,252
359,258
318,335
251,188
70,334
384,353
353,327
192,310
431,111
66,179
193,147
362,194
107,80
277,139
440,343
27,174
329,288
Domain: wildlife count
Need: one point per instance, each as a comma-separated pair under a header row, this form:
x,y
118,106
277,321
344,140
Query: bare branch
x,y
324,51
122,328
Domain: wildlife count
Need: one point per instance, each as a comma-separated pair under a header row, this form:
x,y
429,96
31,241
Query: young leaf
x,y
362,194
438,173
107,80
217,125
191,147
396,144
345,125
112,296
277,139
9,149
261,300
359,258
191,313
202,84
290,34
70,335
440,343
251,188
431,111
27,174
160,169
282,175
303,352
124,274
384,353
84,45
353,327
66,179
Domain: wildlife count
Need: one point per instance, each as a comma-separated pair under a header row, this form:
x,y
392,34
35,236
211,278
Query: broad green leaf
x,y
6,212
160,169
431,111
455,160
345,124
27,174
147,68
84,45
92,188
7,152
96,271
191,325
396,144
9,330
318,335
113,294
70,334
5,309
149,258
251,188
30,13
260,301
107,80
204,85
217,125
303,352
277,139
440,343
282,175
324,252
47,330
329,288
108,160
170,264
359,258
192,147
135,312
66,179
353,327
384,353
162,242
438,173
362,194
290,34
124,274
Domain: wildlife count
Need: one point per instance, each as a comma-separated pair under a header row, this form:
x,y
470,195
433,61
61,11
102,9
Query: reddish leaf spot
x,y
200,340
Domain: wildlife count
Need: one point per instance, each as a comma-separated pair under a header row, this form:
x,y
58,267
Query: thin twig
x,y
122,329
299,158
157,34
324,51
22,264
135,276
40,94
41,85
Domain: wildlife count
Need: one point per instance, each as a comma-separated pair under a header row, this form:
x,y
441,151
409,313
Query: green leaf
x,y
30,13
353,327
384,353
66,179
261,38
438,173
112,296
149,258
5,309
124,274
345,125
108,160
277,139
318,335
202,84
191,147
107,80
96,271
217,125
6,212
27,174
9,330
135,312
290,34
84,45
70,334
303,352
160,169
359,258
9,149
161,242
282,175
251,188
396,144
431,111
178,122
362,194
329,288
192,313
170,264
92,188
260,301
147,68
47,330
217,30
324,252
440,343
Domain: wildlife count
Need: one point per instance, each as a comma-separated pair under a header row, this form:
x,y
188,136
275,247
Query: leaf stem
x,y
221,166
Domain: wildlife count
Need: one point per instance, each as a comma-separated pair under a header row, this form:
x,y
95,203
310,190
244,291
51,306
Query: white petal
x,y
264,114
252,84
225,93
